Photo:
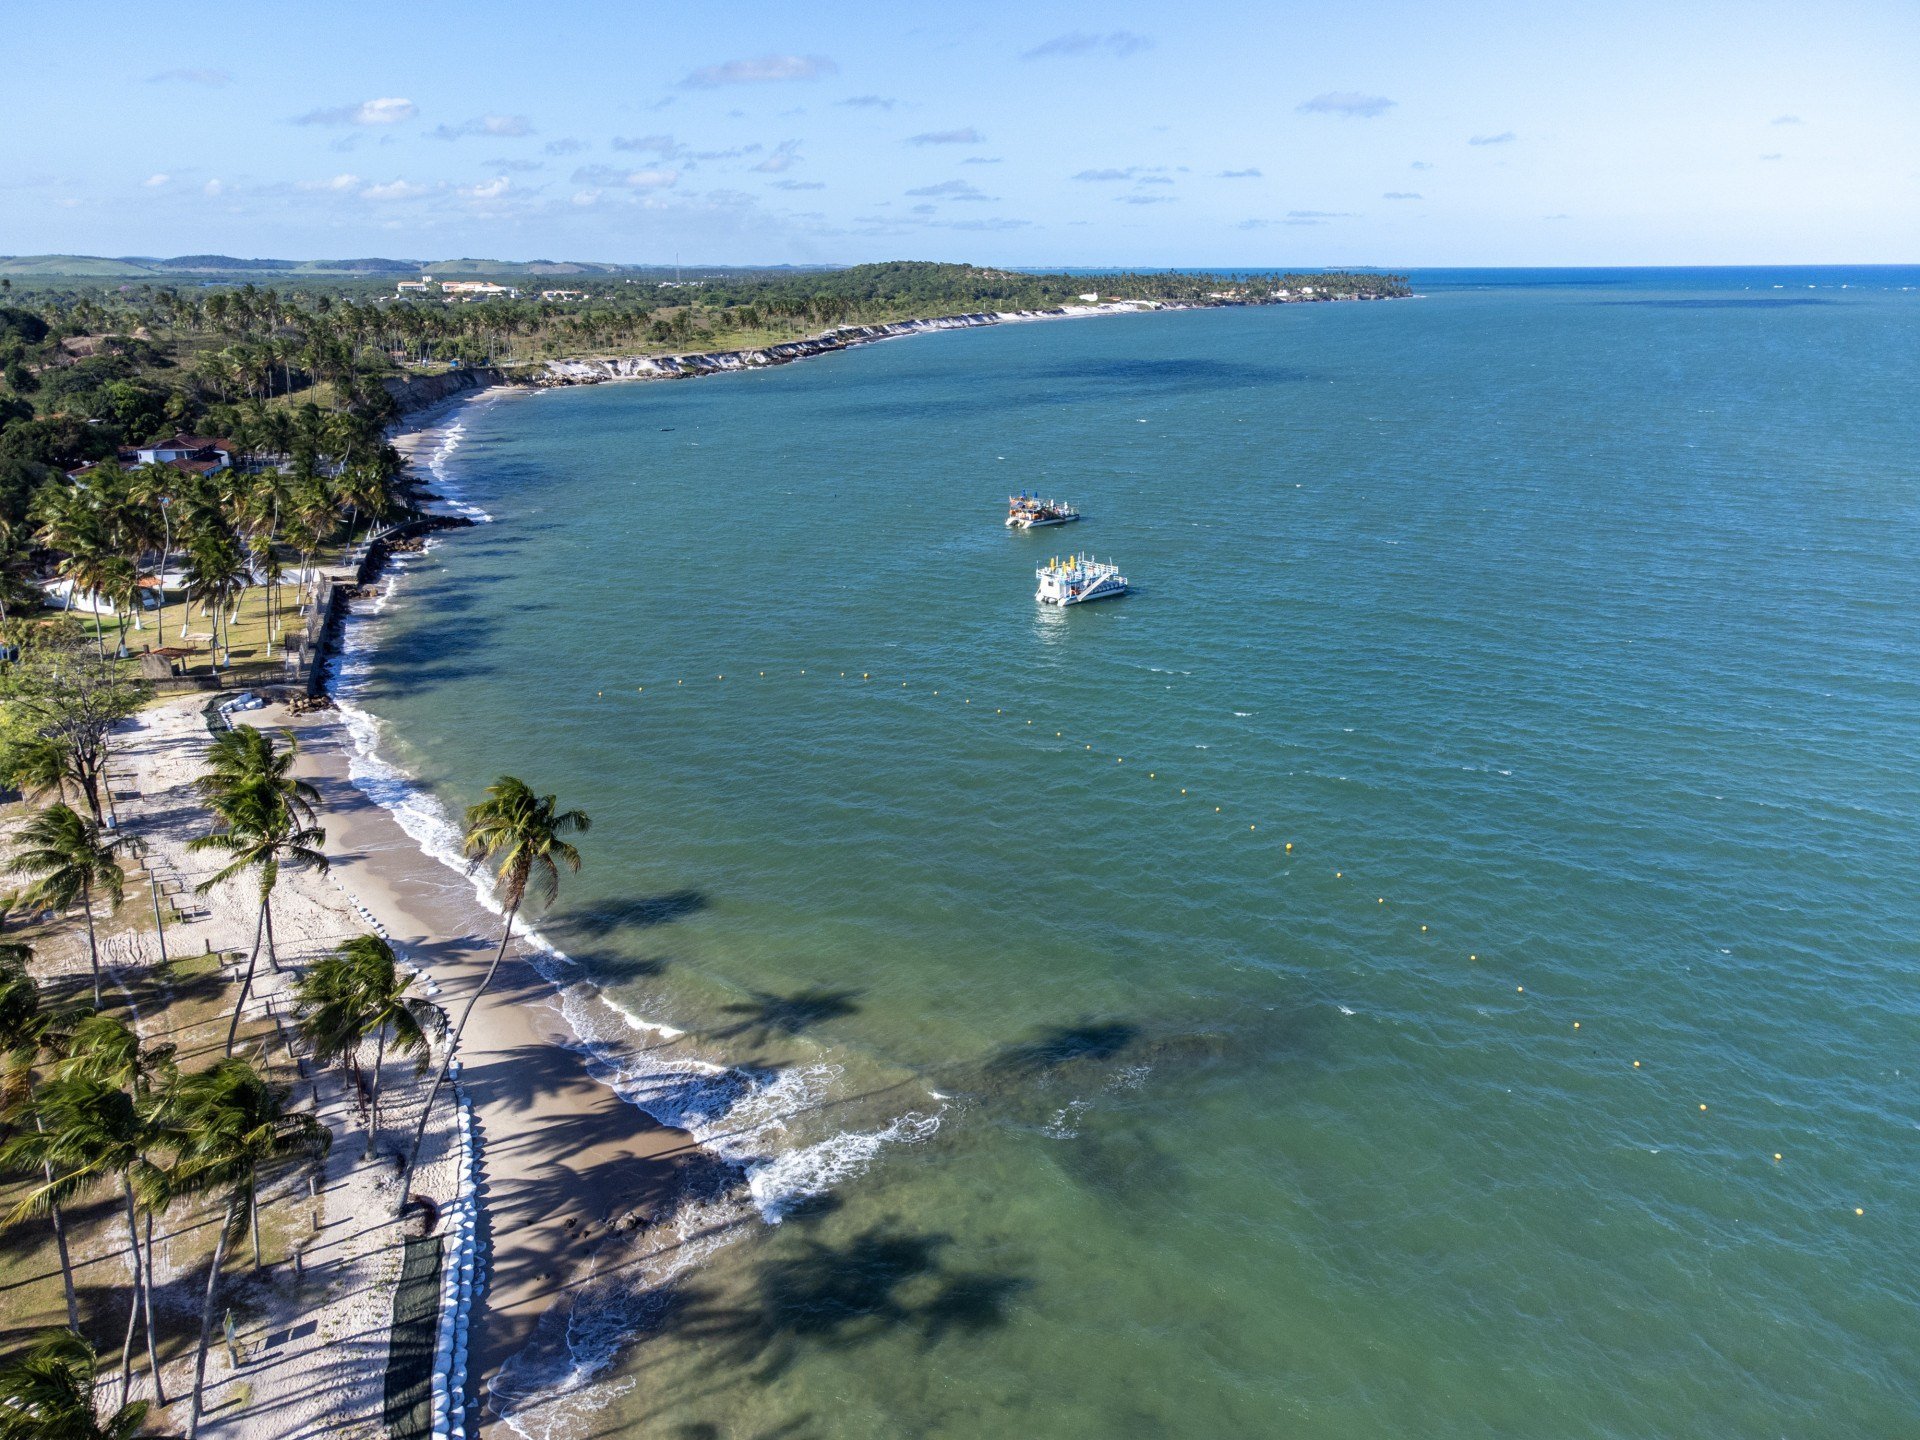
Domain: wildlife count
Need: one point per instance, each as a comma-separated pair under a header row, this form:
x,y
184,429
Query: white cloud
x,y
1247,174
487,189
665,146
506,126
394,190
154,182
1402,195
782,159
212,188
950,190
868,102
1505,137
337,182
389,110
1784,120
760,70
968,136
606,176
1117,43
586,197
1349,104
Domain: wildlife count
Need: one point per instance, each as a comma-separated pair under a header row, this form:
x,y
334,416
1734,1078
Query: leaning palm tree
x,y
100,1048
359,991
524,835
36,764
71,862
48,1393
86,1132
265,825
29,1029
231,1126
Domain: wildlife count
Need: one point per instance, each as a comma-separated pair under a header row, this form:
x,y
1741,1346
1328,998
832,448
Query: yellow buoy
x,y
1576,1024
1703,1107
1250,827
1473,957
1636,1064
1152,776
1776,1157
1520,989
1858,1211
1423,929
863,675
1183,792
1289,845
1336,874
1381,901
599,692
1216,809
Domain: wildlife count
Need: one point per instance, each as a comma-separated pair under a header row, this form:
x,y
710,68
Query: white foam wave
x,y
741,1114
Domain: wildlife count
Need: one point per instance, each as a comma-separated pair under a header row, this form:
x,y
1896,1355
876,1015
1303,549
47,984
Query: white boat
x,y
1029,512
1076,579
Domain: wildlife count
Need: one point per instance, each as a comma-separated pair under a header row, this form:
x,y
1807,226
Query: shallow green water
x,y
1574,622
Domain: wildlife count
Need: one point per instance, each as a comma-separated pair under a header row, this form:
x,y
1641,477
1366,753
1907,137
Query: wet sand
x,y
563,1159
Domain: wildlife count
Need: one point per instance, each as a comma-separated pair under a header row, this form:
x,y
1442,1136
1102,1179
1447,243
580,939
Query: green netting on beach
x,y
416,1325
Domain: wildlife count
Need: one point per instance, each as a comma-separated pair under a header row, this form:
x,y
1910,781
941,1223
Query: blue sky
x,y
1032,134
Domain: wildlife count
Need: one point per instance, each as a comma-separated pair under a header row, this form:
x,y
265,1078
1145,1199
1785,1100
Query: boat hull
x,y
1022,522
1098,592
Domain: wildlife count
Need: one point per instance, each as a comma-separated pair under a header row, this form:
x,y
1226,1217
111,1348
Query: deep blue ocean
x,y
1438,959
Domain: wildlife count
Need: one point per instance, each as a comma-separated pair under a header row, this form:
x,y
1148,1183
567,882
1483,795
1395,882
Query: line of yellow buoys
x,y
966,701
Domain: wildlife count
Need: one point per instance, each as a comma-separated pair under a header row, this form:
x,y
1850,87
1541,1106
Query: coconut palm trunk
x,y
373,1102
133,1309
153,1351
453,1044
93,945
59,1235
246,983
206,1321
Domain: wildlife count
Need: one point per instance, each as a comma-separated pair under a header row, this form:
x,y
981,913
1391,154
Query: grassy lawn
x,y
188,1003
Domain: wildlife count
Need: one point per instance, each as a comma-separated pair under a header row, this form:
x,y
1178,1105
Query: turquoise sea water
x,y
1563,623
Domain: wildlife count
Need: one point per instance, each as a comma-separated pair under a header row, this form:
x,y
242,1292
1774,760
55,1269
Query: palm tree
x,y
524,835
86,1131
100,1048
29,1027
37,764
216,574
232,1125
65,850
356,991
268,819
48,1394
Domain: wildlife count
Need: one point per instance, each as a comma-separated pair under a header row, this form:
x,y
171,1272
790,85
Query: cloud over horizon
x,y
1505,137
496,125
1117,43
1349,104
950,190
967,136
390,110
762,70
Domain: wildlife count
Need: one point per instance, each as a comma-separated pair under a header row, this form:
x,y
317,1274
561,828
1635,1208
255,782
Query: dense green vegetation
x,y
297,375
